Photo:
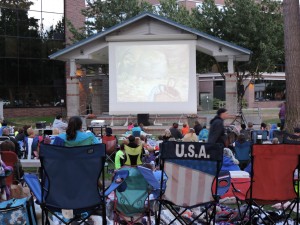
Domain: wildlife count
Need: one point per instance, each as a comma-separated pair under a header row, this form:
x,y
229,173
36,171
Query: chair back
x,y
10,159
110,143
71,175
255,133
272,177
242,150
191,168
4,138
132,201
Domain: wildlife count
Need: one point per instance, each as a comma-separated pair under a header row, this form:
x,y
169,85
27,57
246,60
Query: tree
x,y
292,59
247,23
105,14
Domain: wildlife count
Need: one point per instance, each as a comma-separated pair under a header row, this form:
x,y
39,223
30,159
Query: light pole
x,y
61,104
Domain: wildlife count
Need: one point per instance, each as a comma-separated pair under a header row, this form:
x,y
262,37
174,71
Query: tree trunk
x,y
292,65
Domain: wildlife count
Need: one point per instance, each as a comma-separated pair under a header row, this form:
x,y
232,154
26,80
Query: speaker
x,y
143,118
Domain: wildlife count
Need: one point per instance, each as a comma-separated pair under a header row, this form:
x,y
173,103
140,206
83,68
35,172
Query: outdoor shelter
x,y
142,28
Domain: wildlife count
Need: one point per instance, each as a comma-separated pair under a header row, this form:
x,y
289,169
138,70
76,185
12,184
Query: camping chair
x,y
132,203
191,168
272,181
242,153
69,182
4,138
254,135
10,159
111,143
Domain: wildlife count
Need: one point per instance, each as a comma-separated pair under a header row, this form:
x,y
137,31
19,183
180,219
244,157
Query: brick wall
x,y
73,14
33,112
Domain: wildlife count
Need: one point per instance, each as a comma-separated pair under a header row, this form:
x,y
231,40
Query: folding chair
x,y
4,138
242,153
132,203
69,182
191,169
111,147
272,181
254,135
10,159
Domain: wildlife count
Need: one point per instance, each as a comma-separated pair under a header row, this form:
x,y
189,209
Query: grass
x,y
21,121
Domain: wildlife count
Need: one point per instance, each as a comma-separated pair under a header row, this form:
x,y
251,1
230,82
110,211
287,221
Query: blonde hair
x,y
229,153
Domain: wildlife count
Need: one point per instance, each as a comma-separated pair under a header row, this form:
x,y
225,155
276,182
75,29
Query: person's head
x,y
55,131
263,126
108,131
135,125
222,113
184,125
175,125
196,122
58,117
167,133
131,139
243,126
250,125
191,130
74,124
297,131
7,145
275,141
30,132
204,127
4,123
241,138
5,132
25,128
228,153
21,131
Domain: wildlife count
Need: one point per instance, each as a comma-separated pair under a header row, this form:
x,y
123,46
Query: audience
x,y
203,135
175,132
5,132
197,127
74,135
59,124
185,129
230,163
190,136
133,152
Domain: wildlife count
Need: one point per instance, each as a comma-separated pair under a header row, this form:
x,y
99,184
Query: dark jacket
x,y
197,128
216,131
175,132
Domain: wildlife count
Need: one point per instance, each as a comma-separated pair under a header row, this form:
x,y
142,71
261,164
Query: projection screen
x,y
156,77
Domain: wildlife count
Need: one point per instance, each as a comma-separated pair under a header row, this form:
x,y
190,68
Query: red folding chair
x,y
10,159
272,180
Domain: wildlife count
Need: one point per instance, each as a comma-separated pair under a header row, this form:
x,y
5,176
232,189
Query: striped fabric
x,y
187,186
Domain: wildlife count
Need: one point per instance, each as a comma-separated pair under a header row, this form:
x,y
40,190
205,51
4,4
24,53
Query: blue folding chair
x,y
242,153
254,135
69,182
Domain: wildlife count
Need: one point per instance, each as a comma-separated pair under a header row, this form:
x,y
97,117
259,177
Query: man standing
x,y
217,131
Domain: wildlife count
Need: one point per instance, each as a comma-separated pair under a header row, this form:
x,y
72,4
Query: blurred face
x,y
224,115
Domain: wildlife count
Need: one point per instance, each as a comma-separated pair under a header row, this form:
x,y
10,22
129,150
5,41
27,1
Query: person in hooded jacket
x,y
217,131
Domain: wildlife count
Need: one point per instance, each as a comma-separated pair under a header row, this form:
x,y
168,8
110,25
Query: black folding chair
x,y
69,177
191,169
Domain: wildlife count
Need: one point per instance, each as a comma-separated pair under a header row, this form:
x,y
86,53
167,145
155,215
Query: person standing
x,y
217,131
281,115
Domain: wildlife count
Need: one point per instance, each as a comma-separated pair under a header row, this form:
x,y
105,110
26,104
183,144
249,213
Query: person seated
x,y
74,135
197,127
203,135
119,158
175,131
4,125
167,136
136,128
18,170
230,163
275,141
130,126
185,129
32,144
59,124
148,149
5,133
190,136
133,152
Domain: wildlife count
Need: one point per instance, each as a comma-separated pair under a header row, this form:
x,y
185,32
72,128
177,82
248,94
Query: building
x,y
31,83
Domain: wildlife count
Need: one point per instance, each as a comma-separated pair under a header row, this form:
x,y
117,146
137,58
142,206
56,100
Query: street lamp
x,y
61,104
